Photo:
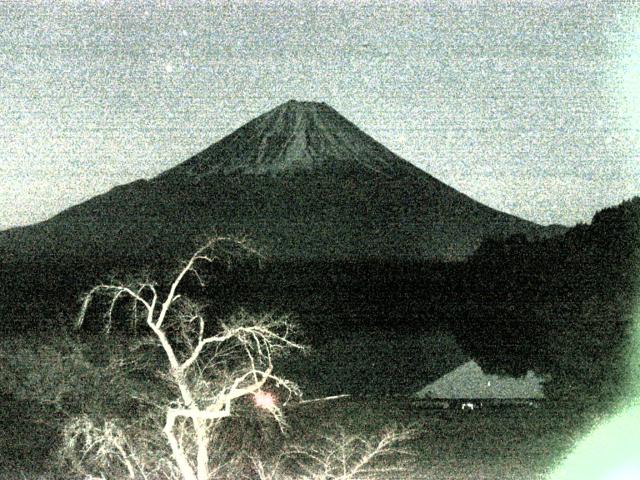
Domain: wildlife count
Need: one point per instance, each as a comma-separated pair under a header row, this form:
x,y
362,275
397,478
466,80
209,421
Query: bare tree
x,y
342,456
202,365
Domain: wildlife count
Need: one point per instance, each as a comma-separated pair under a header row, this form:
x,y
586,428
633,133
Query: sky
x,y
532,108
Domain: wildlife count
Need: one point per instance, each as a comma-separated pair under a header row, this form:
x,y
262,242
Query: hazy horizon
x,y
530,109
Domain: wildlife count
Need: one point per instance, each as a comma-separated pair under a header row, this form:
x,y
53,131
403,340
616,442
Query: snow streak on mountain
x,y
297,137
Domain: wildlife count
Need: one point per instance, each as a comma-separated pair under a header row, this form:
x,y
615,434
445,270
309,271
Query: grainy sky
x,y
530,107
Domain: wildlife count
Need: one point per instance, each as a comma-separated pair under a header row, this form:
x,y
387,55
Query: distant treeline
x,y
562,305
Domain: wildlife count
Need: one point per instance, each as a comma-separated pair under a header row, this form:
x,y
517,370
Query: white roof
x,y
469,381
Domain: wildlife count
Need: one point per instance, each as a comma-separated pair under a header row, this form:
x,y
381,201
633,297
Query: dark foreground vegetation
x,y
518,443
561,306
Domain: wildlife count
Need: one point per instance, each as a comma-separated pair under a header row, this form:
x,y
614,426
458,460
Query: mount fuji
x,y
301,180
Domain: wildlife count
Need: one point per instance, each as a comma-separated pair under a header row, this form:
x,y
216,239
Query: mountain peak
x,y
302,105
293,138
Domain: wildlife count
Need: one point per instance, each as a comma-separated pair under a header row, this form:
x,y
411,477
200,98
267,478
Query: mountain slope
x,y
301,180
296,137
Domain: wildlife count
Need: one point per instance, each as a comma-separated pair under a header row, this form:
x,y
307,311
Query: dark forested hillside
x,y
560,306
563,305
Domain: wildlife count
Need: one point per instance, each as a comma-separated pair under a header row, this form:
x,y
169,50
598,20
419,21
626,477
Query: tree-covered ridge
x,y
613,235
563,305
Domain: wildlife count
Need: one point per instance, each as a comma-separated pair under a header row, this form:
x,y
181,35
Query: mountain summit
x,y
293,138
300,180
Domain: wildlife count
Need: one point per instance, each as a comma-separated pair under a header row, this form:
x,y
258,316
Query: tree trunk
x,y
178,455
202,457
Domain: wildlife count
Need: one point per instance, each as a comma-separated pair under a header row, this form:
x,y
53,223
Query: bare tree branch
x,y
195,360
199,256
